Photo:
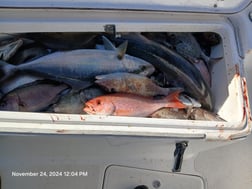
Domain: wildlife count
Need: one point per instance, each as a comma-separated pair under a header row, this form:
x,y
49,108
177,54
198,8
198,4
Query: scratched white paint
x,y
165,5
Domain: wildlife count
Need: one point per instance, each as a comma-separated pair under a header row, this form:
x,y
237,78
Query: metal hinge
x,y
178,155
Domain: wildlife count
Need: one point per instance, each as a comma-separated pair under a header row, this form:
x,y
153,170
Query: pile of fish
x,y
158,75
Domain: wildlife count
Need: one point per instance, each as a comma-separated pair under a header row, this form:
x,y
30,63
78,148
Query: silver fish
x,y
132,83
76,68
189,101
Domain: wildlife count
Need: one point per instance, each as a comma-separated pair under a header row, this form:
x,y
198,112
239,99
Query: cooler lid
x,y
119,177
215,6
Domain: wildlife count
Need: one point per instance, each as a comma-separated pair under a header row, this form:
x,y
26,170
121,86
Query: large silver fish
x,y
78,67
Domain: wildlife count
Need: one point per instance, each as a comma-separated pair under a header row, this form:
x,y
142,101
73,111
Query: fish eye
x,y
21,104
2,104
112,90
172,36
143,68
98,102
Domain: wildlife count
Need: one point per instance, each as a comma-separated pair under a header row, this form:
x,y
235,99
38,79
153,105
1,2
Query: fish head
x,y
90,93
10,103
137,65
99,106
111,82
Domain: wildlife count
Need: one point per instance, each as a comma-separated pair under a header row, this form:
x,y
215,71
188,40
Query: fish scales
x,y
72,102
173,65
170,113
84,64
132,83
122,104
32,97
201,114
77,66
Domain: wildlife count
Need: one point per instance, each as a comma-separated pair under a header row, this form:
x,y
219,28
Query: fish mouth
x,y
89,109
98,81
146,70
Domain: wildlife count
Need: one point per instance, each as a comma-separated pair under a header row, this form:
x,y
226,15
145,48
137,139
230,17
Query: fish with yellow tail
x,y
77,68
123,104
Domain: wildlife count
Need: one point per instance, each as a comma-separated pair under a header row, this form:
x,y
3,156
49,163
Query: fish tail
x,y
171,90
173,100
6,70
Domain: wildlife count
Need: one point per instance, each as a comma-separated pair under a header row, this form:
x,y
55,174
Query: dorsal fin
x,y
107,44
120,50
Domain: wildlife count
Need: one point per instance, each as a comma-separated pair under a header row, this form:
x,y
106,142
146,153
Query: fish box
x,y
229,94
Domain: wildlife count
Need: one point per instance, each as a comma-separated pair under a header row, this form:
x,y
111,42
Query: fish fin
x,y
113,110
111,75
172,89
98,77
6,70
214,60
107,44
211,62
189,102
99,47
75,83
121,50
83,98
174,101
12,49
